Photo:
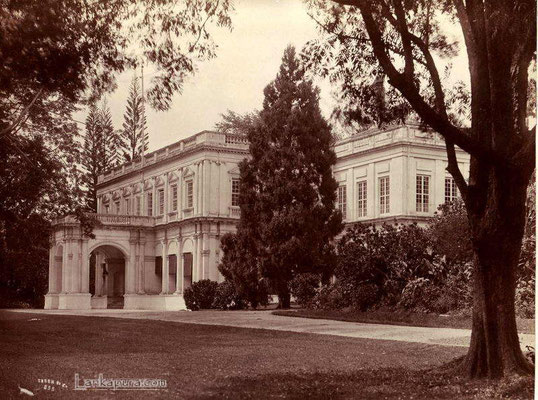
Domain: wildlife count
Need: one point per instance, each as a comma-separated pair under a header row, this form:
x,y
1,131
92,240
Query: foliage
x,y
303,287
99,152
237,124
237,267
408,41
58,55
287,191
525,297
227,298
332,297
388,257
134,137
200,295
365,296
24,248
450,233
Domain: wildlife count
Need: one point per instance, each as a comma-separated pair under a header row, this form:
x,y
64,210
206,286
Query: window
x,y
173,188
423,193
342,200
189,194
451,190
117,204
384,195
128,206
107,209
235,192
138,205
361,199
160,196
149,205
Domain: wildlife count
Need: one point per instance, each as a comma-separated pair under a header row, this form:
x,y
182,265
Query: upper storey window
x,y
149,203
342,200
189,194
384,195
128,206
361,199
451,190
118,207
235,192
173,188
160,197
423,193
138,205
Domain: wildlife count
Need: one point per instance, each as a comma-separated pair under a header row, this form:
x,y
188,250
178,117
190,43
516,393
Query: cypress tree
x,y
288,193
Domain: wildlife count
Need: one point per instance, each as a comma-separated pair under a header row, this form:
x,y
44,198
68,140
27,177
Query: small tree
x,y
134,137
287,190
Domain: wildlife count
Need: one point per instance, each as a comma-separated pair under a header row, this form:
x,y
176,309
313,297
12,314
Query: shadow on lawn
x,y
371,384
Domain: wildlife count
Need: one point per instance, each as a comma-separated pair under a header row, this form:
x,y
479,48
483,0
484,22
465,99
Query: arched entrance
x,y
107,280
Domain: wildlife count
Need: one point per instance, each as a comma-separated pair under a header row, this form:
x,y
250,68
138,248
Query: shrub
x,y
200,295
365,296
418,294
525,297
303,287
227,298
332,297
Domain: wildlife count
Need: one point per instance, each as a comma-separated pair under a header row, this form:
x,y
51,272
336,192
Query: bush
x,y
365,296
419,294
525,297
227,298
200,295
303,287
332,297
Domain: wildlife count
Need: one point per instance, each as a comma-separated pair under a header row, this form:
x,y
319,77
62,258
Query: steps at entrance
x,y
115,302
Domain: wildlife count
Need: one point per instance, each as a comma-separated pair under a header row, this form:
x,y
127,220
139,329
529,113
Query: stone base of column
x,y
51,301
99,302
164,302
74,301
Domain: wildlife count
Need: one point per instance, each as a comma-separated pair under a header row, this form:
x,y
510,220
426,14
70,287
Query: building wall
x,y
210,161
399,153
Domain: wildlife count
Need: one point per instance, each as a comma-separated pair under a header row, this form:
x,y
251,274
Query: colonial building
x,y
160,219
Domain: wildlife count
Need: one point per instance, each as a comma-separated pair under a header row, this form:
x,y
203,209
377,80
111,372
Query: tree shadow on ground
x,y
390,383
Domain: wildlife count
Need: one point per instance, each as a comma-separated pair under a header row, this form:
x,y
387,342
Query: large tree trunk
x,y
284,297
497,220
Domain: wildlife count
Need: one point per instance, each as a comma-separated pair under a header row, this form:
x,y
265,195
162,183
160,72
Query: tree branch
x,y
454,169
22,116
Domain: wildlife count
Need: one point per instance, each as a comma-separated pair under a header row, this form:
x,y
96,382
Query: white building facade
x,y
160,219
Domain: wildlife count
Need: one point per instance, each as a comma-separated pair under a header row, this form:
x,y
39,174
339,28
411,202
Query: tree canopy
x,y
407,40
287,191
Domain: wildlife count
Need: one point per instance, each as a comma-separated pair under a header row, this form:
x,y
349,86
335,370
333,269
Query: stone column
x,y
205,255
65,268
142,268
198,189
52,270
206,164
98,274
130,268
85,268
166,199
195,271
213,256
165,270
179,266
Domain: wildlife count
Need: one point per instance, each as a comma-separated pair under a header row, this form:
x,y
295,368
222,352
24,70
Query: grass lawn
x,y
202,361
397,318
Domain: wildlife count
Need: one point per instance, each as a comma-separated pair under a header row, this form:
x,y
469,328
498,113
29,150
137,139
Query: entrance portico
x,y
115,269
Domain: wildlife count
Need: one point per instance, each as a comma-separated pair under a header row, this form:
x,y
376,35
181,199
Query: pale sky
x,y
247,59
